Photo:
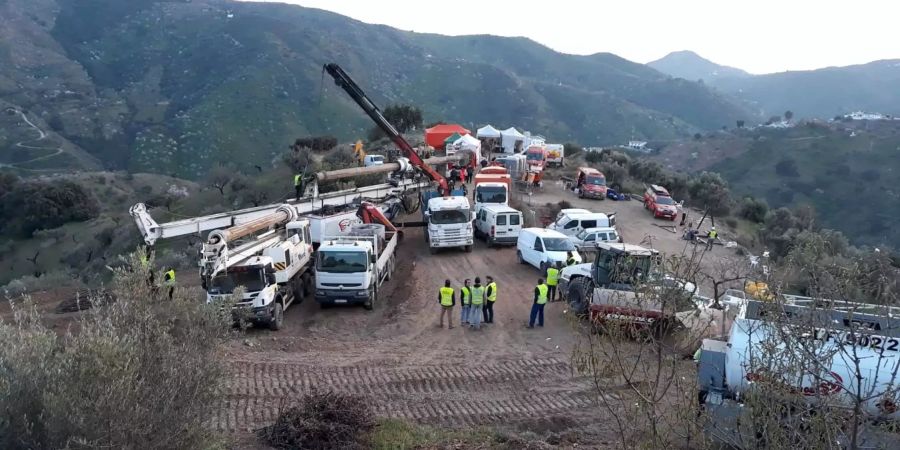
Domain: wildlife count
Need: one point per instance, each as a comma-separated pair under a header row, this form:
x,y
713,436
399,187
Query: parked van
x,y
541,248
498,224
565,211
589,238
571,224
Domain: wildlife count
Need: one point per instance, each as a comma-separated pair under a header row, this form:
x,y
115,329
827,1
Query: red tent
x,y
436,135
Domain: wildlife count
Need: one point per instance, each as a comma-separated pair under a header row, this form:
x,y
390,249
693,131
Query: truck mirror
x,y
270,278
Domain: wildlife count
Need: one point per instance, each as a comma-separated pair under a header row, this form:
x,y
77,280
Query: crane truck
x,y
446,212
849,356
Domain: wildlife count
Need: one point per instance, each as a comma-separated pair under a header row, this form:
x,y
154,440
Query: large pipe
x,y
283,214
382,168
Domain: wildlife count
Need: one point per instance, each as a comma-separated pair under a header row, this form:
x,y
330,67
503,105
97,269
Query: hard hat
x,y
713,228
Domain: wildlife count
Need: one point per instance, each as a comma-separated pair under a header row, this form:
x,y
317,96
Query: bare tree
x,y
219,177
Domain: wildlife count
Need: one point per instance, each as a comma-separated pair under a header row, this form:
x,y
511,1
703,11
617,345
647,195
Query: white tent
x,y
508,139
487,131
467,143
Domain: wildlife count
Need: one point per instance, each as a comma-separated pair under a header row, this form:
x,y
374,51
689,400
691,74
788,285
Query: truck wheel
x,y
370,303
389,269
277,317
308,285
297,288
578,295
468,249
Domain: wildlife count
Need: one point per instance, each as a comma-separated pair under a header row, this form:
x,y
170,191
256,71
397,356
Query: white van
x,y
542,248
570,224
498,224
589,238
565,211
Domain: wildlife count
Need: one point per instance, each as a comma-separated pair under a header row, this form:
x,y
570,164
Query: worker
x,y
537,308
683,217
447,299
169,281
711,237
462,175
490,294
553,280
465,299
454,174
570,259
477,301
470,173
298,186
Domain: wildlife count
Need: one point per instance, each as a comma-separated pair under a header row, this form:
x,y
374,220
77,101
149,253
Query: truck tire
x,y
277,316
519,257
373,297
577,295
468,249
298,289
389,269
308,285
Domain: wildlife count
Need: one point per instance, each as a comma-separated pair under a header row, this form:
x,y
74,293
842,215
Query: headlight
x,y
320,292
362,293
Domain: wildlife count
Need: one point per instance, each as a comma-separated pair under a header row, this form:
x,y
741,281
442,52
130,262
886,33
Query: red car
x,y
658,201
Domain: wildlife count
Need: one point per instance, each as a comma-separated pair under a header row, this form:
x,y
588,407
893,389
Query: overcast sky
x,y
759,36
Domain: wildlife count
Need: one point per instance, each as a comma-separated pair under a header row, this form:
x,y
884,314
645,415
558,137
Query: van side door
x,y
537,252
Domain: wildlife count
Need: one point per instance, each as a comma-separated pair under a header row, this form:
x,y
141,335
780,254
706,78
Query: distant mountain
x,y
822,93
691,66
174,86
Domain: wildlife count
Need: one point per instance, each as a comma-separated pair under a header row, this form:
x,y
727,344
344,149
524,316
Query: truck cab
x,y
536,155
344,271
449,223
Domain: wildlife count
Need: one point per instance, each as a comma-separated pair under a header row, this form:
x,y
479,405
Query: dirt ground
x,y
399,357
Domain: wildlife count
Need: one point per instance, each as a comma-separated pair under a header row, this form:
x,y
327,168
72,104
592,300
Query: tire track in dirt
x,y
446,395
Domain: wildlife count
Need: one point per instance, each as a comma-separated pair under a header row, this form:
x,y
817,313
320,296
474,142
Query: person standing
x,y
570,259
491,296
477,301
553,280
465,299
537,308
470,172
298,186
447,299
711,237
169,281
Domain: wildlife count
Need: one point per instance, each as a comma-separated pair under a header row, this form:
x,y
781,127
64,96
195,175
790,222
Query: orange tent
x,y
436,135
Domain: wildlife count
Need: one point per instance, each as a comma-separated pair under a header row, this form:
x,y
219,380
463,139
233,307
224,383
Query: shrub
x,y
339,158
710,191
571,149
141,371
38,204
753,209
593,157
323,421
731,222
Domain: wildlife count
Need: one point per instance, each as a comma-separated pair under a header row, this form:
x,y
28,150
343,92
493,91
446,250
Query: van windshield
x,y
449,216
596,180
490,194
555,244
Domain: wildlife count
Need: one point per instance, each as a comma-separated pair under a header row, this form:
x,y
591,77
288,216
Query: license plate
x,y
340,300
714,398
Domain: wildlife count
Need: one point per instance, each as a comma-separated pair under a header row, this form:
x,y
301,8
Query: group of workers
x,y
477,301
168,275
462,174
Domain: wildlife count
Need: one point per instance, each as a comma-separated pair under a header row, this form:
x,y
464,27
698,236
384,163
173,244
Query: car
x,y
588,238
660,203
570,224
542,248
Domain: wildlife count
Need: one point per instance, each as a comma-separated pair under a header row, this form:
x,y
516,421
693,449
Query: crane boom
x,y
343,80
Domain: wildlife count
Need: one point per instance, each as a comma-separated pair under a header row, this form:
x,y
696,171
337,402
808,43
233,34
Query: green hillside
x,y
176,86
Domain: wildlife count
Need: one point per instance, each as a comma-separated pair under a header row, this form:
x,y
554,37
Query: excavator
x,y
446,211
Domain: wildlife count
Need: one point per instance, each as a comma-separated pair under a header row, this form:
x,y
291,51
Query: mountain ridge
x,y
691,66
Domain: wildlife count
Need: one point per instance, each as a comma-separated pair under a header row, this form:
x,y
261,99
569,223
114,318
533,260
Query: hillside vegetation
x,y
174,87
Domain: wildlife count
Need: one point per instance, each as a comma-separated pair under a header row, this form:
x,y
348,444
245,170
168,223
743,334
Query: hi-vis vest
x,y
542,294
477,295
493,297
465,295
713,234
296,180
446,296
170,278
570,261
552,276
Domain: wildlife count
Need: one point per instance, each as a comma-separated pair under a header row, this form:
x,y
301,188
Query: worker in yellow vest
x,y
711,237
447,299
298,186
477,302
537,308
570,259
553,279
169,280
465,299
490,294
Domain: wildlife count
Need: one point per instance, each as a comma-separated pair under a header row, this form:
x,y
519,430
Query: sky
x,y
759,36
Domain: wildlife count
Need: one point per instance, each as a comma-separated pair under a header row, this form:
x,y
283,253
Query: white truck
x,y
830,353
449,223
351,268
556,155
274,267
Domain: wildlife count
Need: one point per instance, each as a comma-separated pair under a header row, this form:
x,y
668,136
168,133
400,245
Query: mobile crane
x,y
447,211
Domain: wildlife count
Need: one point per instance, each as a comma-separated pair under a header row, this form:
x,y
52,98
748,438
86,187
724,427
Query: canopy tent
x,y
466,143
510,139
451,139
487,132
436,135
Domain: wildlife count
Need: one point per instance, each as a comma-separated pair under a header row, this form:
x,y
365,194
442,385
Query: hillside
x,y
175,86
846,170
691,66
